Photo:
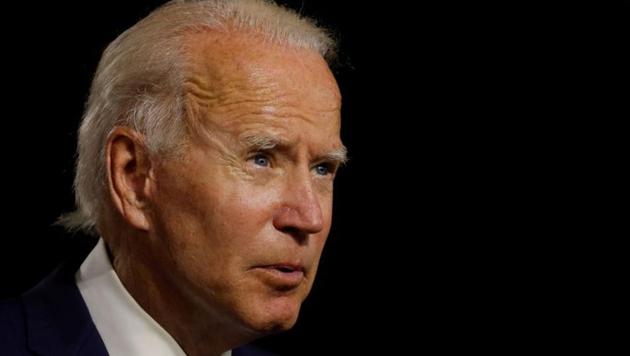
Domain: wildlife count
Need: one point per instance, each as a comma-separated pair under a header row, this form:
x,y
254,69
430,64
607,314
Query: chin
x,y
276,315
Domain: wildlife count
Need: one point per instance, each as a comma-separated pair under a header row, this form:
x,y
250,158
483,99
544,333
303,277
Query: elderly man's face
x,y
243,218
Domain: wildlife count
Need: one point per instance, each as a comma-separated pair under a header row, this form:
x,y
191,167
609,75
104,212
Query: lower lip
x,y
280,279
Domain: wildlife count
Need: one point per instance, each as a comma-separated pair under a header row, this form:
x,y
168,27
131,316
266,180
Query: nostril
x,y
299,235
291,230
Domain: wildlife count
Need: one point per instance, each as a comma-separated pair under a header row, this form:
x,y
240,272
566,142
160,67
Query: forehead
x,y
236,82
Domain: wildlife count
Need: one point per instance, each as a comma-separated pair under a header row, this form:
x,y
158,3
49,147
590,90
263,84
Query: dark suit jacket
x,y
52,319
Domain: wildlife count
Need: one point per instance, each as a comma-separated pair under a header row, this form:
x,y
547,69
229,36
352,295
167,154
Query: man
x,y
206,161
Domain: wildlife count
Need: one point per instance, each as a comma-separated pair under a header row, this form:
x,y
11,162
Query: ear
x,y
129,175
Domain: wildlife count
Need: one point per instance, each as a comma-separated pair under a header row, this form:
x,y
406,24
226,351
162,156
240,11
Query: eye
x,y
261,160
324,169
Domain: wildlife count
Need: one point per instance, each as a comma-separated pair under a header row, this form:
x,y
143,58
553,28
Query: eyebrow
x,y
340,156
266,142
263,142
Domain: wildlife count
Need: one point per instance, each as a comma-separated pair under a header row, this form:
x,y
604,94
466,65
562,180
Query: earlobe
x,y
128,173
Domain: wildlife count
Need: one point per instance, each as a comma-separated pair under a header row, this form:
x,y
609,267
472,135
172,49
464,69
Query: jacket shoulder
x,y
12,328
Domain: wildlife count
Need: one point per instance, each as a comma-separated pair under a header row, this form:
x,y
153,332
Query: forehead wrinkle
x,y
310,115
276,116
244,101
256,130
243,86
242,92
232,96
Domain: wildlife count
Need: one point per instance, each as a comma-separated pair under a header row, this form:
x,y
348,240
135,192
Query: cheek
x,y
229,226
244,207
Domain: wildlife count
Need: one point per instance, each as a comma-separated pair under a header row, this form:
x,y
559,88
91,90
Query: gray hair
x,y
138,83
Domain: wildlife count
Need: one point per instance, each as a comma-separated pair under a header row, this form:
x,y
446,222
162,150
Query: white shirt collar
x,y
125,328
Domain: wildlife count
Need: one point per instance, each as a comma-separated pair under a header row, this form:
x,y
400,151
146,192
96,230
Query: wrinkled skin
x,y
251,195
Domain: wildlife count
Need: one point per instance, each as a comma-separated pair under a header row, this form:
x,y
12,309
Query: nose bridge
x,y
301,208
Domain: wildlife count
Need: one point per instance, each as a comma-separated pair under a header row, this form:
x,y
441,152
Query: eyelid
x,y
258,151
254,154
332,166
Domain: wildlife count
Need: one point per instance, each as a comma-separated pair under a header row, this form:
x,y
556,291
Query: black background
x,y
445,230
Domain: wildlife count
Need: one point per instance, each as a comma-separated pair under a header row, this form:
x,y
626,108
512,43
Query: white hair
x,y
139,80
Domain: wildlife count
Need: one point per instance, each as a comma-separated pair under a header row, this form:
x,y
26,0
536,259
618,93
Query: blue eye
x,y
261,160
322,170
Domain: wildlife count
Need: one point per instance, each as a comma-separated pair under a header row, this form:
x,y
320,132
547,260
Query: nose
x,y
300,212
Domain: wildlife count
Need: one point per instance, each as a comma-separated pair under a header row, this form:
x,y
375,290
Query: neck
x,y
192,323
